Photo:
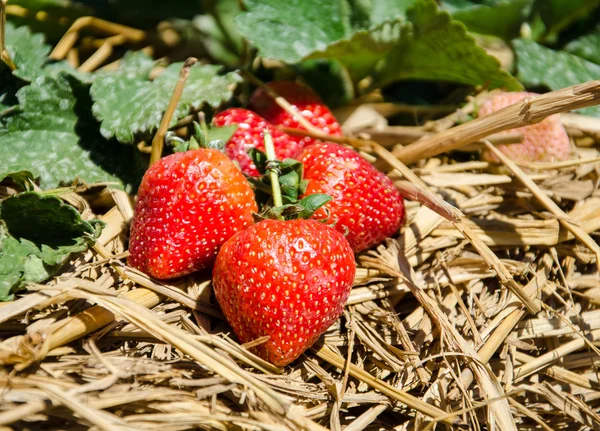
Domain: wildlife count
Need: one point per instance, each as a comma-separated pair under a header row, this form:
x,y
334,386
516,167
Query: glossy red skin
x,y
288,280
188,205
304,99
366,206
250,134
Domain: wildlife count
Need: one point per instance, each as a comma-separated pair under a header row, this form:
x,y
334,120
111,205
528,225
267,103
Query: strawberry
x,y
189,204
546,141
366,205
288,280
304,99
250,134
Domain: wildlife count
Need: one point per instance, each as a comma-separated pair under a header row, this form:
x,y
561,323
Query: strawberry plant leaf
x,y
385,10
539,66
419,54
362,52
390,51
502,19
28,51
133,65
45,219
220,36
53,135
37,235
587,46
301,27
128,104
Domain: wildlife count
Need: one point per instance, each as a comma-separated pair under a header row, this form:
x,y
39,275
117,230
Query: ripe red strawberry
x,y
366,205
546,141
288,280
188,205
304,99
250,134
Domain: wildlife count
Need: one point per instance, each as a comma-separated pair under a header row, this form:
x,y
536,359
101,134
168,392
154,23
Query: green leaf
x,y
134,65
53,135
220,36
129,105
429,47
23,179
37,234
44,219
434,47
28,51
291,30
503,19
587,46
540,66
361,53
385,10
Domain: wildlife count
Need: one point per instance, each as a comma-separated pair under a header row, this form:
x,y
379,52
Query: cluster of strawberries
x,y
284,279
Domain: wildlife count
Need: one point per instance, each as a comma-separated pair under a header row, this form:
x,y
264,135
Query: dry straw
x,y
482,313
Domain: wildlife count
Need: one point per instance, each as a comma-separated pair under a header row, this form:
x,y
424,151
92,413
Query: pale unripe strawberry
x,y
546,141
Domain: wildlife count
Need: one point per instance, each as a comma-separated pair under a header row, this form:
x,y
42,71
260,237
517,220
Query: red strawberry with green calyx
x,y
287,280
365,205
250,134
189,203
306,101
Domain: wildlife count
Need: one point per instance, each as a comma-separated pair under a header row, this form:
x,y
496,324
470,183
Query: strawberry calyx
x,y
202,137
279,186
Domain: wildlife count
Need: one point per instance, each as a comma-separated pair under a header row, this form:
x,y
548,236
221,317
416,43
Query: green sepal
x,y
222,134
200,134
23,179
204,137
290,179
302,209
311,203
259,158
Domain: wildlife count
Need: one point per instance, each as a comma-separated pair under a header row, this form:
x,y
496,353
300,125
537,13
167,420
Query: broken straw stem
x,y
159,137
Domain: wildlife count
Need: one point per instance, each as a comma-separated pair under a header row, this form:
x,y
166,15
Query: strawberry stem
x,y
272,167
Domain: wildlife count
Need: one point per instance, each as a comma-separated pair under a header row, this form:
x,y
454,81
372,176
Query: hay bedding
x,y
482,314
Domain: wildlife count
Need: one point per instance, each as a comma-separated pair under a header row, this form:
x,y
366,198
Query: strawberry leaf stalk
x,y
286,278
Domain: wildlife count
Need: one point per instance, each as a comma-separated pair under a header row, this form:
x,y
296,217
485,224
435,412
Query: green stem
x,y
271,157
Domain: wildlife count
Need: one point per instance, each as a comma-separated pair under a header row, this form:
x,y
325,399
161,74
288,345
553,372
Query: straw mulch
x,y
482,314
